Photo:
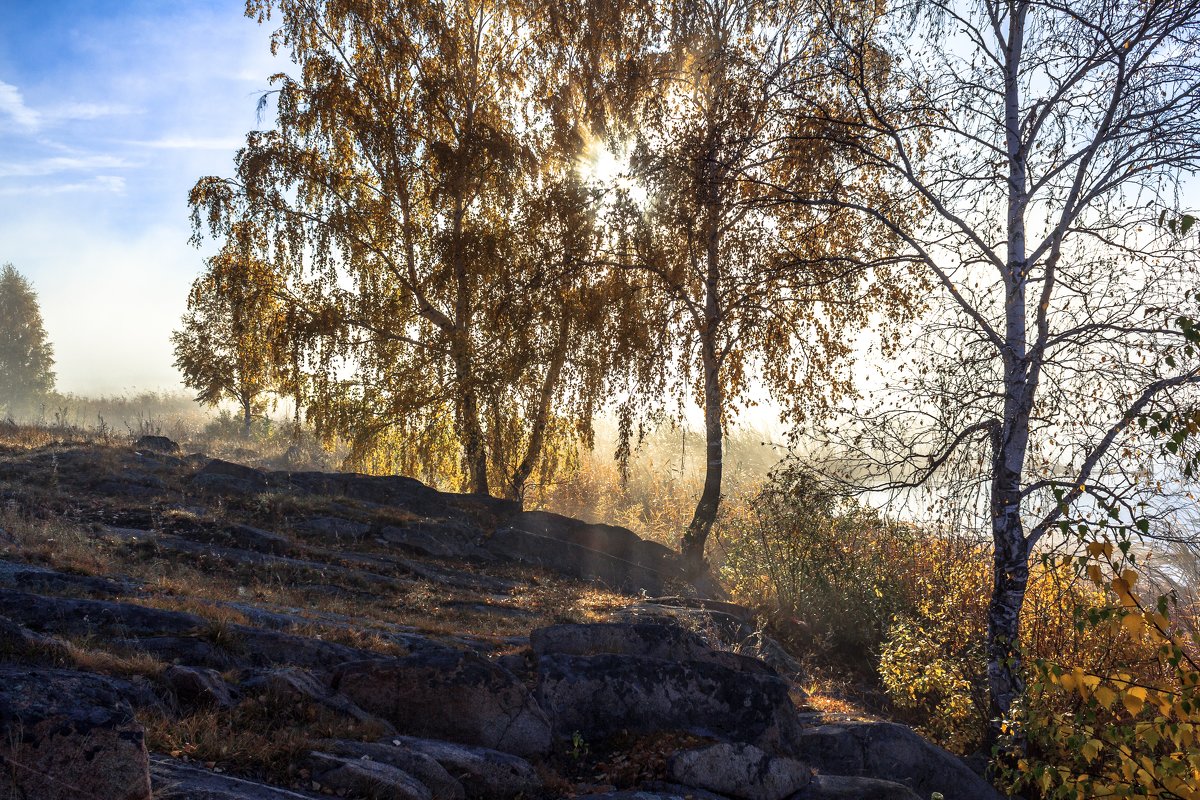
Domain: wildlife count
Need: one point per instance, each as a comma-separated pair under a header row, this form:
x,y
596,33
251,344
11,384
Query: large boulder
x,y
228,477
156,444
605,694
740,771
890,752
724,624
648,639
661,639
418,766
616,556
66,735
458,696
485,774
365,777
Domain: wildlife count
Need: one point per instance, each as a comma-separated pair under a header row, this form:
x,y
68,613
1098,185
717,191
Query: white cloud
x,y
12,104
110,183
57,164
87,111
194,143
114,184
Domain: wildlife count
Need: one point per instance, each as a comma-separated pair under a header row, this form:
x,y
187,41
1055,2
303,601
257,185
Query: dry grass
x,y
265,737
215,613
178,583
54,542
84,653
91,656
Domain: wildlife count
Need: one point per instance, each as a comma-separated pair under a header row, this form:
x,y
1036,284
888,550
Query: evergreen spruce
x,y
26,357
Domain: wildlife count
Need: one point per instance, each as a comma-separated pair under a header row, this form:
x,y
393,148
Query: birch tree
x,y
1056,133
759,292
229,344
412,151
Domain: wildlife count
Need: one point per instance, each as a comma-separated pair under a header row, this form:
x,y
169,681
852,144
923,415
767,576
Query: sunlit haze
x,y
109,112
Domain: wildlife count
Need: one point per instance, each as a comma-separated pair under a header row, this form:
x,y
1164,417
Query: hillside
x,y
182,627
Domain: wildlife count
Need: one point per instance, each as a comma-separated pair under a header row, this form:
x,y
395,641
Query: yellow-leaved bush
x,y
1128,730
932,667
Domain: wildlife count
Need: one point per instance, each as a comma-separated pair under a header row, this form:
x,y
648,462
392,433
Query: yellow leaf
x,y
1134,623
1091,749
1134,699
1105,696
1121,587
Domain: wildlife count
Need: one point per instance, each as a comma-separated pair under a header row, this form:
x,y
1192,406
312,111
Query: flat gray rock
x,y
840,787
484,773
35,578
77,617
421,767
458,696
605,694
365,777
740,771
175,780
890,752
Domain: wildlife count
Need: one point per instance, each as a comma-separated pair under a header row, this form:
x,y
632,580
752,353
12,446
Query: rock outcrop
x,y
740,771
601,695
68,735
887,751
480,771
394,622
457,696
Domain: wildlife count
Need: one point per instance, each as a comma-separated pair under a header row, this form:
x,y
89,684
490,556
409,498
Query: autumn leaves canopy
x,y
457,291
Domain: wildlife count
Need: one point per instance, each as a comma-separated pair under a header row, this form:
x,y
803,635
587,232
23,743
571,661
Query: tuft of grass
x,y
265,737
90,656
54,542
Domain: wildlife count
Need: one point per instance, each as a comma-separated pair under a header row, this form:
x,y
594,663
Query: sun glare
x,y
601,166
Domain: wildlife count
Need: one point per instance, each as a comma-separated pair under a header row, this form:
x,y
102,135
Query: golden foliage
x,y
1126,727
435,245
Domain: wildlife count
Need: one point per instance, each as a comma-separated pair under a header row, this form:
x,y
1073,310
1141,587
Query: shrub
x,y
1122,720
804,552
933,667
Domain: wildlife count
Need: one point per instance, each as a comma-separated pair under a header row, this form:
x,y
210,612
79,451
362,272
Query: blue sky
x,y
109,112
